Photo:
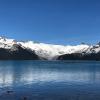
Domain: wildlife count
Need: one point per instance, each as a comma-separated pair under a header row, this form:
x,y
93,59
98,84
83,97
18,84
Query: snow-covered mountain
x,y
49,51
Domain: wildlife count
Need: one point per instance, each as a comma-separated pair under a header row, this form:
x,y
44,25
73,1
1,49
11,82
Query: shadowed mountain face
x,y
16,52
80,56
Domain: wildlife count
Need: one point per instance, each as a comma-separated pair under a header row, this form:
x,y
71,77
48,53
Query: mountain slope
x,y
9,50
92,53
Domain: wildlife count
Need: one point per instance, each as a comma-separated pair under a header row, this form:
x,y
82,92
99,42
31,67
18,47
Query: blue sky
x,y
51,21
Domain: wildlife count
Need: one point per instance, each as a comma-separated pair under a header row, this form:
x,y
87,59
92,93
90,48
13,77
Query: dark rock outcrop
x,y
16,52
80,56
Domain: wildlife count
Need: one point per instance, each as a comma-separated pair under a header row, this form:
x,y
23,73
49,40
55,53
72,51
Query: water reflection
x,y
21,73
6,76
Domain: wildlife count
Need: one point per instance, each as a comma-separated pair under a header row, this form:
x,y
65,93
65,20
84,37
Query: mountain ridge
x,y
48,51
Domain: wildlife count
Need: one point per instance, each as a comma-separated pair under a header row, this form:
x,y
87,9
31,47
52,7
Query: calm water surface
x,y
49,80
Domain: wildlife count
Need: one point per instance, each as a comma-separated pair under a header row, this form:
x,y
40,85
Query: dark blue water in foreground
x,y
49,80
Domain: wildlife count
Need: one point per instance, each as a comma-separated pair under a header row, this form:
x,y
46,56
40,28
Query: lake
x,y
49,80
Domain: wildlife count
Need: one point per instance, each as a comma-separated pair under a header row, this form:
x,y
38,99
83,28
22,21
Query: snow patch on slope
x,y
6,43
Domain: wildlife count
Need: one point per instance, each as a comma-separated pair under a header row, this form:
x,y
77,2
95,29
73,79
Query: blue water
x,y
50,80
